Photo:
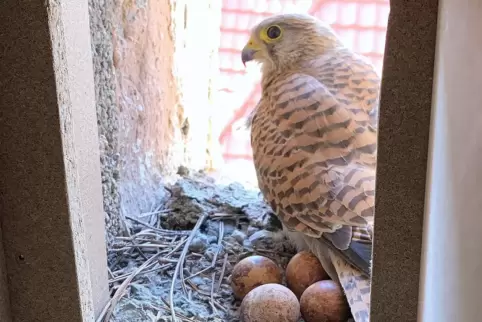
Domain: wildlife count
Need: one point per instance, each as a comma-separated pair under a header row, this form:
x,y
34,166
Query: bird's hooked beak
x,y
249,51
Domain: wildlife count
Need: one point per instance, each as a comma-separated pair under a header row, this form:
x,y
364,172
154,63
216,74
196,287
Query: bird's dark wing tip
x,y
357,254
340,238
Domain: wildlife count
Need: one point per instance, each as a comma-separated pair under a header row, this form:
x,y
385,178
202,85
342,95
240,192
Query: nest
x,y
175,262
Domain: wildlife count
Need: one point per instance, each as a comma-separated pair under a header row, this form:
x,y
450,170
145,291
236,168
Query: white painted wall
x,y
451,280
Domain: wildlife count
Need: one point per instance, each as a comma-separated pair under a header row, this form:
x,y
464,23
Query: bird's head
x,y
283,40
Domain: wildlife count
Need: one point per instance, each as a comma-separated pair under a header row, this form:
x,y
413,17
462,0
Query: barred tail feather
x,y
356,286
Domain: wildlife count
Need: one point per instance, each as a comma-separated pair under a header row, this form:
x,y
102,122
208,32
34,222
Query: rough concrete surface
x,y
150,118
107,110
146,127
136,103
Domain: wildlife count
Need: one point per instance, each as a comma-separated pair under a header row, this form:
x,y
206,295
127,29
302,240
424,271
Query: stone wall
x,y
154,65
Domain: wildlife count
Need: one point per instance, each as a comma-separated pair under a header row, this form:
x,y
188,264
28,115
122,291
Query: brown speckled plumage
x,y
314,139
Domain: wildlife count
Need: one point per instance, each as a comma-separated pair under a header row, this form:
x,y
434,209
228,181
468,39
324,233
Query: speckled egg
x,y
270,303
303,270
324,301
252,272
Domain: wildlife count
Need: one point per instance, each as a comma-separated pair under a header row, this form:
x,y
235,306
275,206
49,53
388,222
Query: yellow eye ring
x,y
273,32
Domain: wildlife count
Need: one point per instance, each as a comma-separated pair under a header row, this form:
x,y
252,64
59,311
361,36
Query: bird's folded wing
x,y
327,157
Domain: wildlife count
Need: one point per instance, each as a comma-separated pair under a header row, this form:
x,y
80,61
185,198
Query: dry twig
x,y
152,259
120,291
180,263
161,231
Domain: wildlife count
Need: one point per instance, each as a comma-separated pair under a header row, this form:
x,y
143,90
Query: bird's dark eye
x,y
273,32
